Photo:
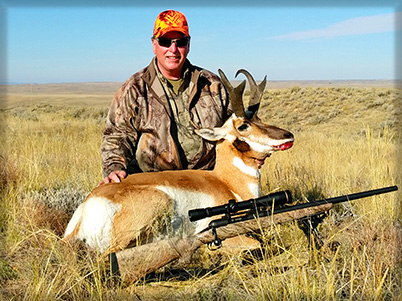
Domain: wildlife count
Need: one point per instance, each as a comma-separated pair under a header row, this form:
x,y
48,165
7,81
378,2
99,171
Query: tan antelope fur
x,y
151,206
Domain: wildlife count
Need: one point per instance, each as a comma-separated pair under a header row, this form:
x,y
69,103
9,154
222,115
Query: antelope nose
x,y
288,135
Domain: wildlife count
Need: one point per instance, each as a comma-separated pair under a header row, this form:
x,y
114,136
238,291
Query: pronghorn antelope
x,y
150,206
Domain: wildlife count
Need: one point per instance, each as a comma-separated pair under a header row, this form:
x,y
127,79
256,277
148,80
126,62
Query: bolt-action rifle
x,y
237,218
275,203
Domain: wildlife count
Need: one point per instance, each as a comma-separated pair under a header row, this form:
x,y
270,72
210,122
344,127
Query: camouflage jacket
x,y
141,131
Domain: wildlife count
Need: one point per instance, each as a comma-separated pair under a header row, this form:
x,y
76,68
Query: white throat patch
x,y
251,171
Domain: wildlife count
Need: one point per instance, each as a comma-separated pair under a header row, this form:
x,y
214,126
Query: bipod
x,y
309,227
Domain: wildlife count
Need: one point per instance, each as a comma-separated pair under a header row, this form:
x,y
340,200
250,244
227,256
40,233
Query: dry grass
x,y
347,140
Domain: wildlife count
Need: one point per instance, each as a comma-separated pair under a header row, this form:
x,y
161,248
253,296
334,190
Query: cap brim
x,y
163,32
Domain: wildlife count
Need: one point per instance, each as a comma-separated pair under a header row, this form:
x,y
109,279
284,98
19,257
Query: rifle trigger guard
x,y
217,242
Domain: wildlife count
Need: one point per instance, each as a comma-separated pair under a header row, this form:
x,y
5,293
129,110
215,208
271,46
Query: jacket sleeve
x,y
120,136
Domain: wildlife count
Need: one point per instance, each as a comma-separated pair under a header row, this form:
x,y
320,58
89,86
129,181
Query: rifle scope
x,y
277,198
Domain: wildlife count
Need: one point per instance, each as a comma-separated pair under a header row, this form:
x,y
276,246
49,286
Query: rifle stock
x,y
136,262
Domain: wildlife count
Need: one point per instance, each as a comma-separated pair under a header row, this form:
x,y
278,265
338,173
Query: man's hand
x,y
114,176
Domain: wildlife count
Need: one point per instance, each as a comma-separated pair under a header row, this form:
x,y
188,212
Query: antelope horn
x,y
256,92
235,94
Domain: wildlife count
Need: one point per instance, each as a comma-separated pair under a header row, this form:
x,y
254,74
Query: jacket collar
x,y
150,75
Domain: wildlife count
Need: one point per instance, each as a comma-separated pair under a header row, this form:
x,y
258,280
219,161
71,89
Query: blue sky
x,y
109,43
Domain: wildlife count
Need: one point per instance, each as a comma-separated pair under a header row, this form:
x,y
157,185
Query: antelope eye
x,y
243,127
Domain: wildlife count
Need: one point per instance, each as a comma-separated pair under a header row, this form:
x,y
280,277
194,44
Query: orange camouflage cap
x,y
170,20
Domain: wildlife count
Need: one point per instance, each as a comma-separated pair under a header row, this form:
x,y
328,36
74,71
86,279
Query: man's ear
x,y
214,134
154,45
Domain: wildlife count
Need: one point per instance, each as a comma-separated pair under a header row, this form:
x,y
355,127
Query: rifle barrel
x,y
337,200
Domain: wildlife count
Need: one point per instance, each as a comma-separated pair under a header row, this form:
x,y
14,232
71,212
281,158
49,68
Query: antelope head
x,y
253,140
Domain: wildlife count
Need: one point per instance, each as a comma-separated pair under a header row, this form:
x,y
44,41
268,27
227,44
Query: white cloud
x,y
356,26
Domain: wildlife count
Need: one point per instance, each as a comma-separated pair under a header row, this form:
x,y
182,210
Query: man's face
x,y
171,59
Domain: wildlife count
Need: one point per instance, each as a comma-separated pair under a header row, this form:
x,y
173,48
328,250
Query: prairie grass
x,y
347,140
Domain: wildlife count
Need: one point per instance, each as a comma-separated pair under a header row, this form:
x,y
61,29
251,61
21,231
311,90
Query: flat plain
x,y
348,139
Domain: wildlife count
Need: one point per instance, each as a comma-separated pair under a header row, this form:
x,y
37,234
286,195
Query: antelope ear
x,y
214,134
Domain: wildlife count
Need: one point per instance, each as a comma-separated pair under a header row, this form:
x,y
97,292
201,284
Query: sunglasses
x,y
165,42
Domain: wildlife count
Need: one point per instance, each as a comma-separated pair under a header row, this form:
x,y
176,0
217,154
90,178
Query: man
x,y
151,121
